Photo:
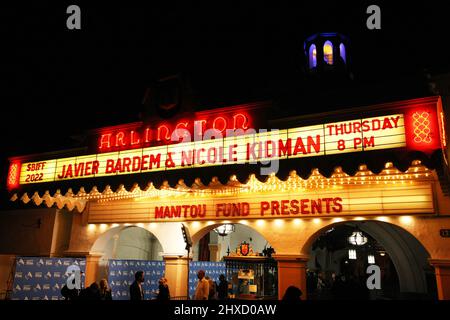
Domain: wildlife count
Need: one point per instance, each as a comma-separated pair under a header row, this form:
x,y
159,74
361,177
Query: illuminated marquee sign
x,y
318,140
336,201
132,137
414,129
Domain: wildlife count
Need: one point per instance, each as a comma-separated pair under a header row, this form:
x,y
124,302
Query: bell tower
x,y
327,55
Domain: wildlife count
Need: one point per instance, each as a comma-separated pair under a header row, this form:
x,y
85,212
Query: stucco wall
x,y
20,233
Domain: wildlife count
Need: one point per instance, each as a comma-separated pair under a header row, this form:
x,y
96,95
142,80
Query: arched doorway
x,y
338,264
128,243
245,255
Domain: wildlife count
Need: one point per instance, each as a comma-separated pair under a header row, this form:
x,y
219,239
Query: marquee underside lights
x,y
365,193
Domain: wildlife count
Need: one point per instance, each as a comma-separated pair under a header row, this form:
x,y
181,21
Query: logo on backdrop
x,y
39,278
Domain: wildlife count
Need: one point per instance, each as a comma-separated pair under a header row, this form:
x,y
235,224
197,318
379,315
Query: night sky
x,y
59,82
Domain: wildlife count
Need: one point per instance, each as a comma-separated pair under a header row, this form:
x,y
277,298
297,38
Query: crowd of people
x,y
96,291
337,287
206,289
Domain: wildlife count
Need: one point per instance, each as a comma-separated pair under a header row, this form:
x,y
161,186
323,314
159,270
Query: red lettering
x,y
369,142
275,205
135,139
181,130
337,204
294,205
376,124
316,206
387,124
167,133
79,169
365,126
199,128
395,121
284,207
109,166
264,207
243,124
87,168
186,158
126,165
155,160
284,149
211,158
201,150
327,202
105,141
137,163
175,211
232,152
216,124
185,207
118,166
147,135
357,142
144,162
315,144
95,166
273,148
120,139
219,209
304,206
159,212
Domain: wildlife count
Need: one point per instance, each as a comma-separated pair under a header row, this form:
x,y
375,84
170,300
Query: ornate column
x,y
214,251
177,275
92,268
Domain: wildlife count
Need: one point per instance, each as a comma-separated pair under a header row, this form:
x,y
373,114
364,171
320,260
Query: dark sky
x,y
58,82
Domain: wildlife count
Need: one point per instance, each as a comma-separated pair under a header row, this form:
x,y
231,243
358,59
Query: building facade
x,y
284,182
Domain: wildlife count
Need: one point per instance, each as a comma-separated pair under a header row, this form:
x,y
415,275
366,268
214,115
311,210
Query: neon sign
x,y
317,140
163,133
417,128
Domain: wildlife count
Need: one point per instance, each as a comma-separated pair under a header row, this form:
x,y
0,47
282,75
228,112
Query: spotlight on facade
x,y
357,239
224,229
352,254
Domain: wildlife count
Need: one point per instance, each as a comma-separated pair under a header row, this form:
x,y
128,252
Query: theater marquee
x,y
415,128
356,200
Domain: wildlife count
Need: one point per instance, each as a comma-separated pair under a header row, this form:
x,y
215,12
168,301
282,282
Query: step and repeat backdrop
x,y
38,278
213,270
121,276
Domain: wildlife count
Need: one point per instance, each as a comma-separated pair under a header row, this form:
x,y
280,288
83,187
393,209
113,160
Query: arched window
x,y
342,52
312,56
328,52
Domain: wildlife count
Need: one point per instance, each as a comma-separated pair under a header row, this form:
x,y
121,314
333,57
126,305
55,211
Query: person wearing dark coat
x,y
70,294
292,293
105,291
164,293
136,290
91,293
222,288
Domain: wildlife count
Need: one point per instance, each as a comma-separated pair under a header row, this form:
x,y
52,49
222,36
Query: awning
x,y
415,173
